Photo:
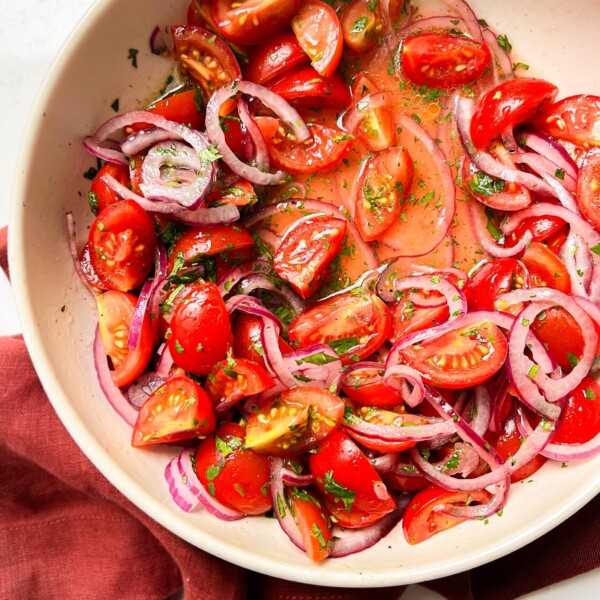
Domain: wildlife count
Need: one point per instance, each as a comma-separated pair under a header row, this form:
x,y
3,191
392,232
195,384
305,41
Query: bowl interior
x,y
555,38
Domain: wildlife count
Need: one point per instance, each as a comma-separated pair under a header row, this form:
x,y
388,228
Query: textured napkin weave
x,y
66,532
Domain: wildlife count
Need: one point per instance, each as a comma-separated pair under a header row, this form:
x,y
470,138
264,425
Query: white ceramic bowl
x,y
558,39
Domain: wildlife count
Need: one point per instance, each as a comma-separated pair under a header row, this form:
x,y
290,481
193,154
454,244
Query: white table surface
x,y
31,34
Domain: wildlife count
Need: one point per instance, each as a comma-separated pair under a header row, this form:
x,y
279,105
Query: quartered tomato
x,y
548,229
294,421
122,244
178,410
441,59
200,330
355,324
575,119
328,146
365,386
511,103
319,32
100,195
307,249
588,187
352,490
422,518
361,25
545,268
115,314
274,57
460,358
493,279
232,473
381,188
408,318
249,22
580,420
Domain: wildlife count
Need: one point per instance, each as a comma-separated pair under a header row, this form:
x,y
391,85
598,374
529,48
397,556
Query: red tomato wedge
x,y
549,229
365,386
494,279
580,421
407,318
361,26
443,60
100,195
545,268
178,410
307,249
319,32
588,187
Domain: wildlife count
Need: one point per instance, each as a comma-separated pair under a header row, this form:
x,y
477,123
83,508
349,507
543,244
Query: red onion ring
x,y
547,169
158,44
261,157
553,151
165,362
289,477
466,14
179,490
397,376
143,387
139,140
501,63
139,313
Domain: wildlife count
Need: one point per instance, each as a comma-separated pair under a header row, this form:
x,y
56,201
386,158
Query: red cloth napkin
x,y
66,532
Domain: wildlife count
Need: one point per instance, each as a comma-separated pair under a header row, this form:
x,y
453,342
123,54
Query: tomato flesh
x,y
365,386
588,187
100,195
493,279
580,420
545,268
360,26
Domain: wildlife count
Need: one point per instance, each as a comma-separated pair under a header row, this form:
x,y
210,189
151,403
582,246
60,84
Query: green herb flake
x,y
340,492
573,359
504,43
343,345
589,394
360,25
132,56
533,371
115,105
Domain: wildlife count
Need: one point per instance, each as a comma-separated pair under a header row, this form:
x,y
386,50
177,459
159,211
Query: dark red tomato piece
x,y
580,421
588,187
226,261
352,490
329,145
115,314
178,410
461,358
443,60
232,473
512,102
354,324
122,244
100,195
492,191
294,421
307,249
421,520
313,522
575,119
236,378
361,25
200,330
545,268
319,32
249,22
494,279
365,386
382,186
274,57
405,478
549,229
305,88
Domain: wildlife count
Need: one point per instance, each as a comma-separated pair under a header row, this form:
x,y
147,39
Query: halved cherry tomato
x,y
274,57
200,330
115,313
122,244
354,324
294,421
421,520
360,26
305,88
580,420
307,249
382,186
236,378
249,22
328,147
575,119
588,187
100,195
548,229
441,59
178,410
88,271
312,521
508,104
545,268
353,492
365,386
235,475
493,279
319,32
461,358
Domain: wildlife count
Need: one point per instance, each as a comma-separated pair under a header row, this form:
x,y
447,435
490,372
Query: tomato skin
x,y
306,251
357,324
548,229
545,268
103,195
508,104
421,521
588,187
88,270
200,330
352,490
178,410
372,390
580,420
239,480
406,318
115,313
439,59
494,279
319,32
122,244
364,37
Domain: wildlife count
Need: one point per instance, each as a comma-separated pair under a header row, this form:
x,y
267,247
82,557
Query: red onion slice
x,y
143,387
139,140
501,61
547,170
397,376
165,362
386,462
139,313
180,492
552,151
261,151
158,44
465,13
289,477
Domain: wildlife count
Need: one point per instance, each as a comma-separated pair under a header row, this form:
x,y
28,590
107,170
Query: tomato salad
x,y
353,268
